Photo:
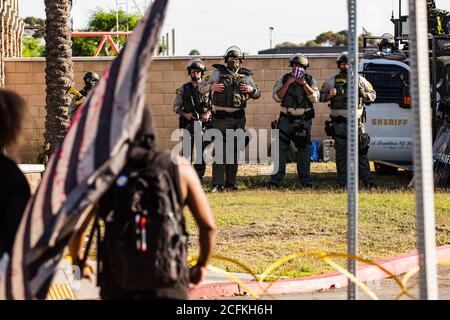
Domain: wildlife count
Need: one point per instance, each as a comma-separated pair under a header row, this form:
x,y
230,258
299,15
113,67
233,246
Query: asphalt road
x,y
386,289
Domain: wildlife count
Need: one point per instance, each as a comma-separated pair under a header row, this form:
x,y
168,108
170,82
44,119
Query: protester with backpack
x,y
14,189
143,251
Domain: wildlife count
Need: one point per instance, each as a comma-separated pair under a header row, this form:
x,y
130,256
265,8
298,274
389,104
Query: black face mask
x,y
195,78
89,85
233,64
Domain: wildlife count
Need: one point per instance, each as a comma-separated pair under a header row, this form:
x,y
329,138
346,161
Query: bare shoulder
x,y
184,167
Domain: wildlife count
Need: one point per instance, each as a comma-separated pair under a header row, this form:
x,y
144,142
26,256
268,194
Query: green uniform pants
x,y
199,167
303,158
225,174
340,145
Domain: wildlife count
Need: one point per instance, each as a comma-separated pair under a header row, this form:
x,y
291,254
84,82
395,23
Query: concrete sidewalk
x,y
89,290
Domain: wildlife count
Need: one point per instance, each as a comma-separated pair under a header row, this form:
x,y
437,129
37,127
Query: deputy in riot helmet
x,y
90,80
387,44
231,86
192,107
296,91
335,91
387,49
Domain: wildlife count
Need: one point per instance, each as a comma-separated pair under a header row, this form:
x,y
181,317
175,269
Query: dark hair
x,y
12,110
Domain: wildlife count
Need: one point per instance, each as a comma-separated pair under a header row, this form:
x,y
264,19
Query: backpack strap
x,y
88,246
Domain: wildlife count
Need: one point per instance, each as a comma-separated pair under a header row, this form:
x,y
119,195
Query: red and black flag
x,y
84,166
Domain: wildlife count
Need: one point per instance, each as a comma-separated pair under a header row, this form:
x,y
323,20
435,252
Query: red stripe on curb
x,y
366,273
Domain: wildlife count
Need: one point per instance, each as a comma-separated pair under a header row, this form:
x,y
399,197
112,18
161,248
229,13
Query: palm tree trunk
x,y
58,71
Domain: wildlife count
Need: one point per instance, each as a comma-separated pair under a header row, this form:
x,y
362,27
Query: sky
x,y
211,26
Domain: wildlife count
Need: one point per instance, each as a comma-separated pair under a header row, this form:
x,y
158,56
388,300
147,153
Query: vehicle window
x,y
389,81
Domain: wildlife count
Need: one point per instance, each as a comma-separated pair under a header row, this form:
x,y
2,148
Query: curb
x,y
366,273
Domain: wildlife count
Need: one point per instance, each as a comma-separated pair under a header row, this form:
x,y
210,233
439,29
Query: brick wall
x,y
27,77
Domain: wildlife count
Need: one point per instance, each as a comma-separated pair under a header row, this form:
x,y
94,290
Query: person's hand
x,y
246,88
189,116
205,117
88,271
290,80
333,92
196,275
301,81
217,87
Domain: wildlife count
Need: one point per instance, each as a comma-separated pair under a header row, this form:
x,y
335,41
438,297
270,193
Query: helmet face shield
x,y
91,79
387,41
196,65
91,75
233,52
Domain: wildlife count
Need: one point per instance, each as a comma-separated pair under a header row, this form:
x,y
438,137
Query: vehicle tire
x,y
384,170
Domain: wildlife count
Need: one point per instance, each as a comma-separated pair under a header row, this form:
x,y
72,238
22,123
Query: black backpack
x,y
145,240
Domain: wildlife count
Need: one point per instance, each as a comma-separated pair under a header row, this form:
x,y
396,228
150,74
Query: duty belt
x,y
220,114
291,117
341,119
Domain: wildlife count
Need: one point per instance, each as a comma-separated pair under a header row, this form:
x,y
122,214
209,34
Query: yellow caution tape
x,y
411,273
324,256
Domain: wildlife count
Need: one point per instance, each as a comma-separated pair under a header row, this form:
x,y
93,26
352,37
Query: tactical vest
x,y
435,21
435,25
339,102
231,97
193,101
295,96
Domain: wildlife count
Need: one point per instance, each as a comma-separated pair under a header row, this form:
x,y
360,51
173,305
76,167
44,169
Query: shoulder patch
x,y
207,79
245,71
178,91
220,67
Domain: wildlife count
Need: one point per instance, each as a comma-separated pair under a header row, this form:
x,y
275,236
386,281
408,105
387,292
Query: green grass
x,y
258,226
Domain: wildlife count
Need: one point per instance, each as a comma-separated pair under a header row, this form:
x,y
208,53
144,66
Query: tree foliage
x,y
326,39
194,52
101,20
32,48
287,44
38,26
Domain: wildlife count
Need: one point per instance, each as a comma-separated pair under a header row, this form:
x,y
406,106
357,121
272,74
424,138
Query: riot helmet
x,y
299,59
234,52
343,57
387,43
90,79
196,64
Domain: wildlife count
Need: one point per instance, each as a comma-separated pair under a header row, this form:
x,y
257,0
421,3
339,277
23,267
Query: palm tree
x,y
58,71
